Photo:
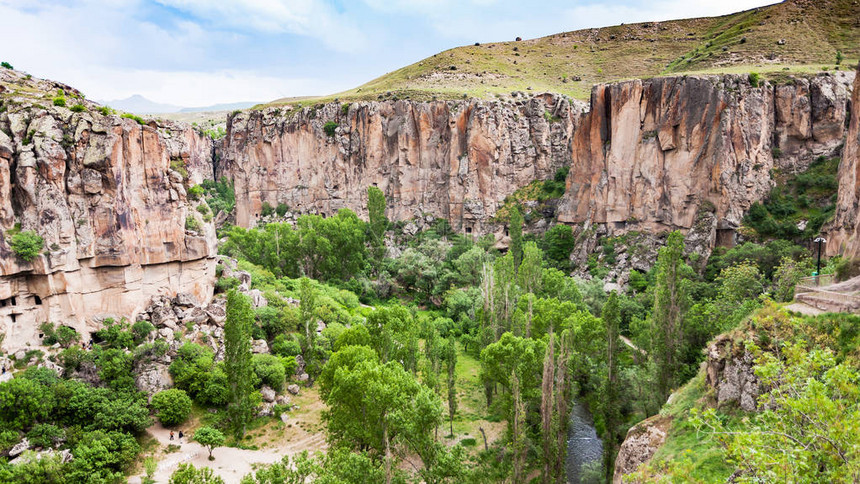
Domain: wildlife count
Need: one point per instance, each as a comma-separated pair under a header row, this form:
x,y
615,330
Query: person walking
x,y
181,435
171,435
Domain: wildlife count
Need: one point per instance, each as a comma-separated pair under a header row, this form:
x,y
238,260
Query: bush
x,y
266,209
285,345
132,116
77,108
847,268
141,330
755,79
191,224
173,406
282,209
106,111
26,244
270,371
60,101
330,128
45,435
195,192
6,65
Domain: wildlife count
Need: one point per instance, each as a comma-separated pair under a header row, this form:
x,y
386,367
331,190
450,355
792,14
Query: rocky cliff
x,y
107,195
454,160
844,231
645,155
653,153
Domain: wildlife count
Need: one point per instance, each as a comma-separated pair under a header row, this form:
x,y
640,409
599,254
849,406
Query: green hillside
x,y
795,36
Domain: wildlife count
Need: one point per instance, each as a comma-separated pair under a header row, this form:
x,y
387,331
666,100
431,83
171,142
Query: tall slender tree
x,y
546,408
378,222
610,406
516,232
670,303
237,360
451,361
520,439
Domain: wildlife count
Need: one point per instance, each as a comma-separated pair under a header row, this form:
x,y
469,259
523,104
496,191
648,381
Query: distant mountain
x,y
140,105
219,107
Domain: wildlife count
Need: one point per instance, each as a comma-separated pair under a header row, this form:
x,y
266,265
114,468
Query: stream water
x,y
584,448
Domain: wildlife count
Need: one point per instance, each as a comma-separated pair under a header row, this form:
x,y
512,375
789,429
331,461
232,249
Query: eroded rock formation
x,y
844,231
653,153
454,160
107,196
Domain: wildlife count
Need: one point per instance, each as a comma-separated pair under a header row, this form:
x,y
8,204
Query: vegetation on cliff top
x,y
793,36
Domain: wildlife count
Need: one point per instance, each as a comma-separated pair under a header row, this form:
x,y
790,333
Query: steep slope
x,y
107,196
795,35
844,232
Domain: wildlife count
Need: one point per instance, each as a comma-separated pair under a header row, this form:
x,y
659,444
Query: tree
x,y
518,424
378,222
373,404
670,304
173,406
188,474
237,360
451,362
787,275
516,231
546,408
611,406
26,244
530,274
739,283
210,438
559,243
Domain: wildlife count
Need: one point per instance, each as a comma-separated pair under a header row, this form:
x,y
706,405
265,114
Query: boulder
x,y
20,447
183,299
266,409
294,389
642,441
282,400
259,346
257,298
153,379
268,393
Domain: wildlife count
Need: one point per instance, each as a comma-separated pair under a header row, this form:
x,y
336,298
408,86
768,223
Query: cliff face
x,y
101,193
454,160
844,231
651,154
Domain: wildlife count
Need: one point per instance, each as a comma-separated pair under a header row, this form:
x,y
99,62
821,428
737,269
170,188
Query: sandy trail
x,y
230,463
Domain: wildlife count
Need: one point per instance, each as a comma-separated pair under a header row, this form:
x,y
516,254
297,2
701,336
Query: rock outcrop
x,y
642,441
844,231
652,153
456,160
108,196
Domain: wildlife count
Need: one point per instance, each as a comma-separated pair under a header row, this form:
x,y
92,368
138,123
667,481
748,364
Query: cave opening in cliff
x,y
14,318
12,301
37,300
468,230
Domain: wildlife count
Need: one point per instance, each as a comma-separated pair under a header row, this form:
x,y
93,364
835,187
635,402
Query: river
x,y
584,448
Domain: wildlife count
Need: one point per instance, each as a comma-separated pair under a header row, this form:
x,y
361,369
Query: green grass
x,y
571,62
708,459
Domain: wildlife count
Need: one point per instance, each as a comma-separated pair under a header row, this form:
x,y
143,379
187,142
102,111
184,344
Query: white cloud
x,y
311,18
605,14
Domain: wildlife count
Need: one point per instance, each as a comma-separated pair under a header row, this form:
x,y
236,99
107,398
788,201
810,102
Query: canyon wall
x,y
844,232
107,195
645,155
456,160
652,153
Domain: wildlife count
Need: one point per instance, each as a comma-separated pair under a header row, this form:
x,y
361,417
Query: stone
x,y
166,333
259,346
20,447
282,400
153,379
303,377
266,409
294,389
642,441
257,298
730,372
268,393
185,299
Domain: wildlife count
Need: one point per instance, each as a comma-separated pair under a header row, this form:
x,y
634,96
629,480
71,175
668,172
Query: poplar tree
x,y
611,412
516,232
451,360
378,222
237,360
670,303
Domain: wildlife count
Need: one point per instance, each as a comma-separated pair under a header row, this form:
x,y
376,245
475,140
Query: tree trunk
x,y
387,453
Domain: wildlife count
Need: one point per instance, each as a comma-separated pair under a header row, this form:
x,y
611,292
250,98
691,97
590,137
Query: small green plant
x,y
776,152
755,79
344,109
26,244
282,209
6,65
106,111
29,137
77,108
216,133
195,192
60,101
132,116
266,210
191,224
330,128
839,57
178,165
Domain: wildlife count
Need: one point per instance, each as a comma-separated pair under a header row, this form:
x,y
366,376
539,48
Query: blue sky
x,y
199,52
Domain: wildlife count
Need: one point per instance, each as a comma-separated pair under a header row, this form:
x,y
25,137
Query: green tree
x,y
26,244
611,404
516,232
210,438
451,363
559,242
530,274
739,283
188,474
377,221
787,275
237,360
173,406
670,304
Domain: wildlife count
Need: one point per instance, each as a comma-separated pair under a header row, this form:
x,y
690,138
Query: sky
x,y
199,52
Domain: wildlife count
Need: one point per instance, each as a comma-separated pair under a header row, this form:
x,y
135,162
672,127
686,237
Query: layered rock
x,y
844,231
453,160
652,154
108,197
